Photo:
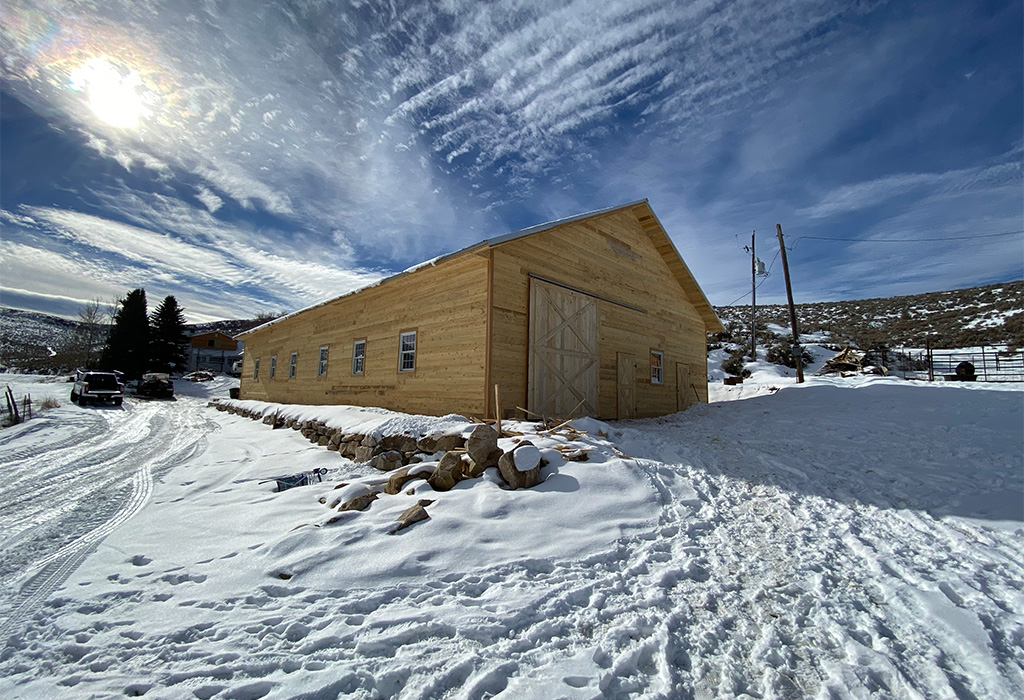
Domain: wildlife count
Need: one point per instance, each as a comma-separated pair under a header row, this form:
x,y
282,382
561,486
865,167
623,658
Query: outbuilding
x,y
593,315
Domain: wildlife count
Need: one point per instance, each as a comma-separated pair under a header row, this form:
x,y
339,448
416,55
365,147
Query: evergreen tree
x,y
168,343
127,347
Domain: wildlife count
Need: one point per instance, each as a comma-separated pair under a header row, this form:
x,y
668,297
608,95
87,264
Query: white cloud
x,y
211,201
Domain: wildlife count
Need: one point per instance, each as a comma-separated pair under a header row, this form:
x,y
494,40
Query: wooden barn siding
x,y
445,304
593,256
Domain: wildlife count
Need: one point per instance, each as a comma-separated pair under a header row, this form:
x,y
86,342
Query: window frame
x,y
321,363
359,360
293,364
657,370
402,353
256,369
273,367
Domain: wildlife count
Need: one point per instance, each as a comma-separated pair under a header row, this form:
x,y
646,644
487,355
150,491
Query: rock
x,y
440,443
352,437
333,447
475,470
336,439
398,479
359,502
308,433
387,461
323,441
447,473
362,454
482,444
368,441
348,449
522,470
410,515
400,443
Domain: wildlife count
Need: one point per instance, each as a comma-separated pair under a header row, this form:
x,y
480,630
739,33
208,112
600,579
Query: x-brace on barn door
x,y
563,362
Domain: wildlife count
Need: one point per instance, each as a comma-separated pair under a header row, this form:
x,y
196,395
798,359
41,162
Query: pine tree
x,y
127,347
168,343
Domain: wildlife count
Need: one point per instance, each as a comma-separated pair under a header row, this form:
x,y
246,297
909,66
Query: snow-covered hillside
x,y
842,538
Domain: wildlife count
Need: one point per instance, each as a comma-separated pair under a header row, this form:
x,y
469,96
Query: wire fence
x,y
990,363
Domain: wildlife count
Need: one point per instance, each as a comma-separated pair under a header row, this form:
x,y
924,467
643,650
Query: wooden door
x,y
563,364
686,393
626,385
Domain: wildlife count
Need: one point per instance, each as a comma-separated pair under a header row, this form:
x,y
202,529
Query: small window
x,y
273,366
407,352
321,366
657,367
209,343
292,361
358,356
256,368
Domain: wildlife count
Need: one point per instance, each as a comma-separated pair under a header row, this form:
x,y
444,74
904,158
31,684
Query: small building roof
x,y
648,220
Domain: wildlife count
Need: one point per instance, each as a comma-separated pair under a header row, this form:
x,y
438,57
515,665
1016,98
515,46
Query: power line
x,y
909,240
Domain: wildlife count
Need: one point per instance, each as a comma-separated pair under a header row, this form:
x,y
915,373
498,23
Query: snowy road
x,y
846,541
63,488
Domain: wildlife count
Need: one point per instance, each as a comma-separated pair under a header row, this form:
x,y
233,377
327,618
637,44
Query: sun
x,y
114,94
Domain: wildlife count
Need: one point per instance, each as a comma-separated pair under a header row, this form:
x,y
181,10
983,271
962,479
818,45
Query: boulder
x,y
359,502
520,467
482,445
398,479
323,441
387,461
368,441
336,439
362,454
413,514
440,443
400,443
447,473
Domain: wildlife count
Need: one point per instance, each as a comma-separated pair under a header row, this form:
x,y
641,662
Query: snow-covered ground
x,y
841,538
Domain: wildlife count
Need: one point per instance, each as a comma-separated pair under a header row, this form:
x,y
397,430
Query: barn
x,y
594,315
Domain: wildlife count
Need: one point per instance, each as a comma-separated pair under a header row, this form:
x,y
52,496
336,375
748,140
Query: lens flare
x,y
114,94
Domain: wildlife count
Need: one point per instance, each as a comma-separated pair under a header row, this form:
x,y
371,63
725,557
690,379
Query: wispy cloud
x,y
863,195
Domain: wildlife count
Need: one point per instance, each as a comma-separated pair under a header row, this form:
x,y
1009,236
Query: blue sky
x,y
251,157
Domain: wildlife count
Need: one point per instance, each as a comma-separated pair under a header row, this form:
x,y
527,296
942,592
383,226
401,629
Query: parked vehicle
x,y
155,385
97,387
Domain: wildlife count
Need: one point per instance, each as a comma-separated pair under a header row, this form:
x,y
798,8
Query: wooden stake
x,y
497,411
797,353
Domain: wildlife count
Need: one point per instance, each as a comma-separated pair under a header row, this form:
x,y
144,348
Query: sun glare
x,y
114,94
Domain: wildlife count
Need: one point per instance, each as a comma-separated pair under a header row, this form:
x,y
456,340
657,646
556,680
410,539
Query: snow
x,y
841,538
526,458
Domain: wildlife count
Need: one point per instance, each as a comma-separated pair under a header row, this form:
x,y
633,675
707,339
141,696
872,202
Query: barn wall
x,y
446,304
611,256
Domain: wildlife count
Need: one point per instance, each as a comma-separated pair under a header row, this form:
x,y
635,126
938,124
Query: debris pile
x,y
849,362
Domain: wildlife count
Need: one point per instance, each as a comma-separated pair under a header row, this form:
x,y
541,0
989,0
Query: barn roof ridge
x,y
683,275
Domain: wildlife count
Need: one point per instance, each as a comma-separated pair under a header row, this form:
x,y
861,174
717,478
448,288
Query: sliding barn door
x,y
563,352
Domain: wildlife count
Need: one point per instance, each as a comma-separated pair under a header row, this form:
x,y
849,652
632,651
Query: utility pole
x,y
753,299
797,353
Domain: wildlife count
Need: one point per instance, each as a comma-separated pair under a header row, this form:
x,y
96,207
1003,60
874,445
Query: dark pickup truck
x,y
97,387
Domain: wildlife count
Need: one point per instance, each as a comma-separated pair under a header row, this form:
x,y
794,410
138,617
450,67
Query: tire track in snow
x,y
137,444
